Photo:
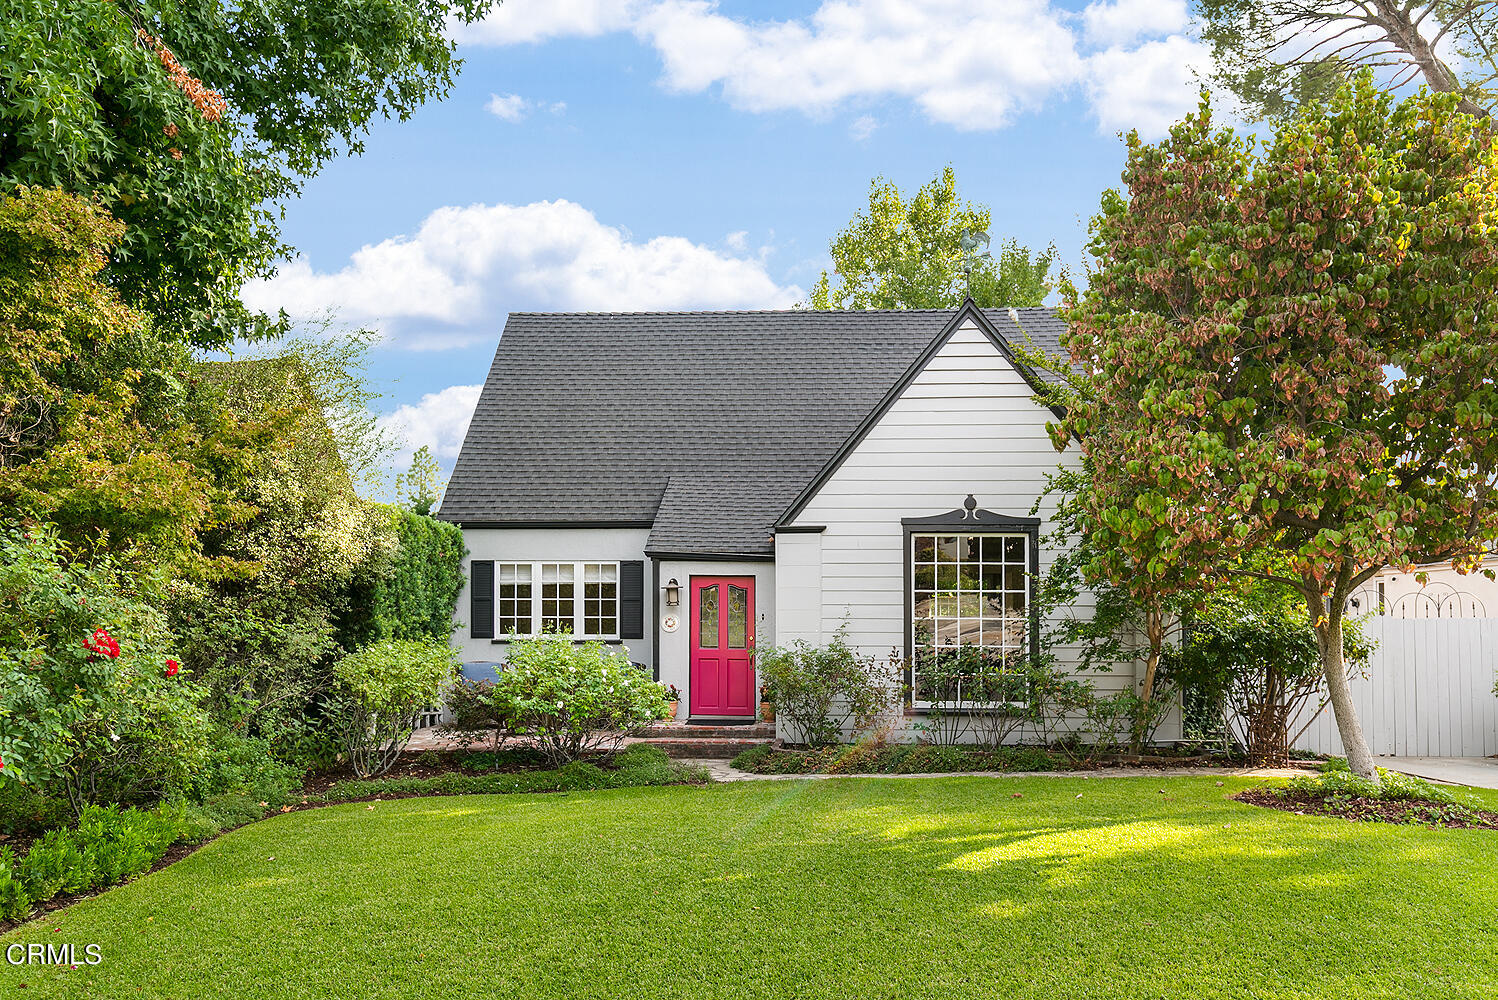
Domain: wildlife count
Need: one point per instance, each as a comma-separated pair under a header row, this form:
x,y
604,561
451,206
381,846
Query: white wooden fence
x,y
1428,690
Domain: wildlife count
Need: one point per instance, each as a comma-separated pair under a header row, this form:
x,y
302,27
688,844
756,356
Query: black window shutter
x,y
481,598
632,599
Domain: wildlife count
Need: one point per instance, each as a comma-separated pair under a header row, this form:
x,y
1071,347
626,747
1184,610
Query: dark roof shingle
x,y
710,418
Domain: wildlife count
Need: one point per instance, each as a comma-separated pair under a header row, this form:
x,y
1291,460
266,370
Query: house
x,y
690,484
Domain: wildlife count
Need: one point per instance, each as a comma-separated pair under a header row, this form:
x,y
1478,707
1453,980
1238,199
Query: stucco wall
x,y
525,544
675,647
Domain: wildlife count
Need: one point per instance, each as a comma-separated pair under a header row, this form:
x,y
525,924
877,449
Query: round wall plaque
x,y
670,623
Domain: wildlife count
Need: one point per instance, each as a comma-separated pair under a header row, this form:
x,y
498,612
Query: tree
x,y
420,486
191,121
1278,55
103,429
906,255
1293,344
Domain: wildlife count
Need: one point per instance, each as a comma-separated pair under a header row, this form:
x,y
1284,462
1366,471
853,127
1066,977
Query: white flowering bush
x,y
574,698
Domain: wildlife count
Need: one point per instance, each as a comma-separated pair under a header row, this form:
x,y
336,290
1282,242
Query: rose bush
x,y
86,709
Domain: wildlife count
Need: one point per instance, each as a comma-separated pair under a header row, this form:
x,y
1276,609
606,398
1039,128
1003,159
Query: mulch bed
x,y
1408,812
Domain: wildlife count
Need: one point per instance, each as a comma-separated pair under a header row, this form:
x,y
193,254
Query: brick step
x,y
699,746
685,730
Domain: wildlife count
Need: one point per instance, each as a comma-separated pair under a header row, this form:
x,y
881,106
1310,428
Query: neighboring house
x,y
1444,593
689,485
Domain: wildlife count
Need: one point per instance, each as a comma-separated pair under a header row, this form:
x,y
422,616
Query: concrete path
x,y
722,770
1479,772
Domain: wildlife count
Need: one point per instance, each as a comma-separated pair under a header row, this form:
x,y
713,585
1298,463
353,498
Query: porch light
x,y
673,593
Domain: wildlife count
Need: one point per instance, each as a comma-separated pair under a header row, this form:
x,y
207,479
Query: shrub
x,y
386,686
827,691
411,592
574,699
107,846
93,706
1255,654
1337,779
474,714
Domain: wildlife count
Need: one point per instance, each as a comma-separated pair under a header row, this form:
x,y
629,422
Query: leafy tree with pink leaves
x,y
1290,345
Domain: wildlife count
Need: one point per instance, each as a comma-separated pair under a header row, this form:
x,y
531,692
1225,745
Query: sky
x,y
686,154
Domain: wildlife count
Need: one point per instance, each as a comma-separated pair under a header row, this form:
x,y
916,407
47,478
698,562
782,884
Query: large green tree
x,y
104,430
192,120
1293,345
1278,54
907,255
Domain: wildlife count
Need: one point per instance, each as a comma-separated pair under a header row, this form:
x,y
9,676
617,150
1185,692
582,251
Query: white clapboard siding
x,y
1428,690
968,423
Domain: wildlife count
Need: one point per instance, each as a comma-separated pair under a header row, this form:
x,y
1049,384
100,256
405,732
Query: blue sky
x,y
672,154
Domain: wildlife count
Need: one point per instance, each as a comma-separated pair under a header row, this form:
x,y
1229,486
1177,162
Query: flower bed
x,y
1395,798
922,758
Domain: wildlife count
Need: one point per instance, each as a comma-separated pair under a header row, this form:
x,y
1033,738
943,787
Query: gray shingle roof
x,y
700,423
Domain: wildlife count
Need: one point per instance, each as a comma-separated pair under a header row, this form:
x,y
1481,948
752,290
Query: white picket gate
x,y
1428,690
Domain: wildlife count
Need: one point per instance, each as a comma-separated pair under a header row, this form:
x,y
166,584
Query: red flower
x,y
102,643
172,666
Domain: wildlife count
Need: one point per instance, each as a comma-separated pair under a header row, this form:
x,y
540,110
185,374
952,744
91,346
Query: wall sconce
x,y
673,593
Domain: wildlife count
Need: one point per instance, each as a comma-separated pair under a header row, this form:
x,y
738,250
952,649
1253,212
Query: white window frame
x,y
915,592
580,616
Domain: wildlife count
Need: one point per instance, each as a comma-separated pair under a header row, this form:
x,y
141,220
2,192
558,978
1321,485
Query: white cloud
x,y
520,21
509,107
971,64
967,64
514,108
862,127
737,240
439,421
1124,21
453,281
1148,88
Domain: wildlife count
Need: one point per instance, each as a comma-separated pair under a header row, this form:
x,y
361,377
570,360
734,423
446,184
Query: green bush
x,y
827,692
897,758
574,699
107,846
1392,786
642,766
93,706
385,689
413,591
26,812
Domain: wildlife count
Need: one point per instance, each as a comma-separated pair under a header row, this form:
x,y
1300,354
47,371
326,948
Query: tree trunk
x,y
1328,621
1401,30
1154,629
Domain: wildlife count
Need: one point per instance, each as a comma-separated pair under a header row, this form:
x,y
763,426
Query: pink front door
x,y
722,646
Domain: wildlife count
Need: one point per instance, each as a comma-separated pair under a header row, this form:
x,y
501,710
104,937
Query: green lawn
x,y
899,888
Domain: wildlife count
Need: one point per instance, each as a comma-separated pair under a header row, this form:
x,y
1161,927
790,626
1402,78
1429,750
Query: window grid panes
x,y
515,596
600,599
579,598
970,609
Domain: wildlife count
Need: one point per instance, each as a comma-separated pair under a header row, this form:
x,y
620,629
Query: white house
x,y
688,485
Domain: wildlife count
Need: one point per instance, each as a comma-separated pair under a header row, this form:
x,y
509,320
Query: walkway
x,y
722,770
1479,772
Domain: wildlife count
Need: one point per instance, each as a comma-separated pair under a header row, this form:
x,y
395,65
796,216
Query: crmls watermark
x,y
53,954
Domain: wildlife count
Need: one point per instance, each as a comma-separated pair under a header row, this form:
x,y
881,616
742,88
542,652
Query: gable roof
x,y
706,425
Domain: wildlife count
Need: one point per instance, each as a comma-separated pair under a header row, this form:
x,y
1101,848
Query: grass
x,y
910,888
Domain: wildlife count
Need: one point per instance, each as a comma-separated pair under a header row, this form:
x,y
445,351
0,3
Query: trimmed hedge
x,y
898,758
107,846
634,767
413,594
